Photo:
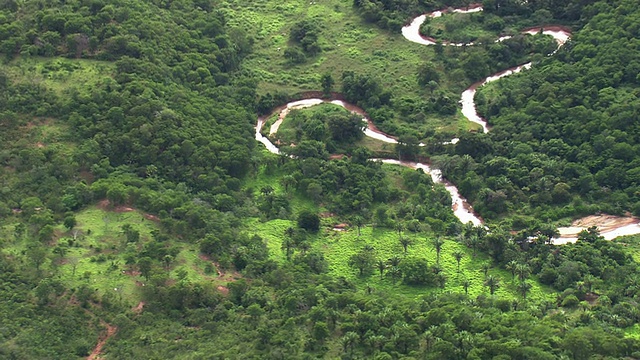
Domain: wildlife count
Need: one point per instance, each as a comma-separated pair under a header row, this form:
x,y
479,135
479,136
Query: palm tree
x,y
394,261
266,190
289,231
485,268
376,341
473,241
523,271
395,273
349,340
358,221
405,242
437,243
381,265
287,246
458,255
493,283
589,280
524,288
288,181
399,227
304,246
511,266
466,283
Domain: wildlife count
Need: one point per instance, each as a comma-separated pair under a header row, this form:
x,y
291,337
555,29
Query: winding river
x,y
461,208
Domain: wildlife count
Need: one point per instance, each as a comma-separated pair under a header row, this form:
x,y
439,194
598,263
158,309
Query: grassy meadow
x,y
338,246
59,74
347,42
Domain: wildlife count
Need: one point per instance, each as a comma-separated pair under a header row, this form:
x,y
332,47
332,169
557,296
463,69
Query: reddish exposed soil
x,y
106,206
138,308
223,289
131,272
97,350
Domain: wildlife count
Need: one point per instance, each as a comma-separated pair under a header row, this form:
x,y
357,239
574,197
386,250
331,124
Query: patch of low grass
x,y
339,246
59,74
100,251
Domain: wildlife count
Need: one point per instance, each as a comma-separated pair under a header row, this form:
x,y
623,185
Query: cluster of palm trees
x,y
521,271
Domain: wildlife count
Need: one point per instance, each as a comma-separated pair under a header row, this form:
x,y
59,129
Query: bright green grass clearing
x,y
60,74
101,237
347,42
338,246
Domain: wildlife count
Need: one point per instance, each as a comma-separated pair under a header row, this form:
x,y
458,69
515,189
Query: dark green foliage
x,y
363,260
590,143
306,33
171,133
309,221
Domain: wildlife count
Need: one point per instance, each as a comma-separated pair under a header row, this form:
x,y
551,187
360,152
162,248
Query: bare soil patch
x,y
97,350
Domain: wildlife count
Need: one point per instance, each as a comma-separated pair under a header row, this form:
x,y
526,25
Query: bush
x,y
309,221
570,301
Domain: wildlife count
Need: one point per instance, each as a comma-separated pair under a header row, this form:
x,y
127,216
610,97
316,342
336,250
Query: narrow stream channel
x,y
461,208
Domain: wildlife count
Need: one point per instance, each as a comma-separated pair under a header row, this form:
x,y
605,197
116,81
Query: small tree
x,y
466,283
358,221
381,265
288,244
309,221
524,288
145,265
394,261
70,222
363,260
485,268
327,83
523,271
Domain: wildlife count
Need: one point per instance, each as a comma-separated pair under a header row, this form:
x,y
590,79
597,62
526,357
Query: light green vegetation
x,y
59,74
338,246
99,251
347,42
631,244
100,254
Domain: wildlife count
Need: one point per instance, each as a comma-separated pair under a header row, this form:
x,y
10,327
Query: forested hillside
x,y
565,133
139,218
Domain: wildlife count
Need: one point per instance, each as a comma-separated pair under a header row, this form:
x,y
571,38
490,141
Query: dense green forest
x,y
139,218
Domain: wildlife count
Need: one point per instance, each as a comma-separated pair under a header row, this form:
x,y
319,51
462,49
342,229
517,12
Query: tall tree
x,y
327,82
458,255
358,221
405,242
493,283
437,244
524,288
511,266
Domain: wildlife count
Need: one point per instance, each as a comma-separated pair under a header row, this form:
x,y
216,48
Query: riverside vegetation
x,y
138,212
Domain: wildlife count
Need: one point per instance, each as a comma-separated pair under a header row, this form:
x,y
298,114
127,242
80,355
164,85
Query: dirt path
x,y
97,350
138,309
